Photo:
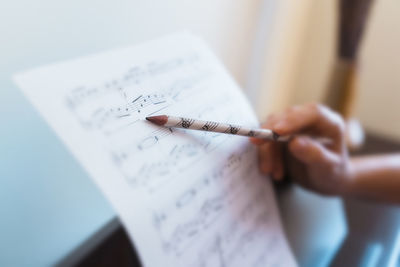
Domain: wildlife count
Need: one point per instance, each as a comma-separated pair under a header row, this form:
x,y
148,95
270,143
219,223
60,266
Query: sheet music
x,y
186,198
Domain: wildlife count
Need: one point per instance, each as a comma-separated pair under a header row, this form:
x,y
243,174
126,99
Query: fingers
x,y
270,153
270,122
265,156
298,172
308,119
270,160
257,141
309,151
277,172
311,117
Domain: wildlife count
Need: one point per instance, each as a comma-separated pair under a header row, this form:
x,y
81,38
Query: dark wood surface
x,y
116,250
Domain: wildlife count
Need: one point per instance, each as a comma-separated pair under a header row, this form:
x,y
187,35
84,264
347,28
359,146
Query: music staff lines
x,y
185,233
154,176
134,76
227,247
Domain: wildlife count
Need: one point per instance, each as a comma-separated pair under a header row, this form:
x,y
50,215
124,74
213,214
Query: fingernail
x,y
256,141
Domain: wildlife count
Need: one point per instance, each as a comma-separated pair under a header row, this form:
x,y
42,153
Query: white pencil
x,y
210,126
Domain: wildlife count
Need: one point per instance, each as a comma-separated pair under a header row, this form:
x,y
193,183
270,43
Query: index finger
x,y
311,117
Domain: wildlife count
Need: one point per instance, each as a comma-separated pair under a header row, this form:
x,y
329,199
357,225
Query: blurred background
x,y
281,52
314,55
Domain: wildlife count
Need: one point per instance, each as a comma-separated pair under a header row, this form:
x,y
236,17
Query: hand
x,y
318,167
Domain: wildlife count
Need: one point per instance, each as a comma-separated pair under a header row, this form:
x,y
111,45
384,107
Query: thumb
x,y
310,151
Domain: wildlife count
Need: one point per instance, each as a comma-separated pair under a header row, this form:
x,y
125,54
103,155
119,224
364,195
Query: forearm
x,y
376,178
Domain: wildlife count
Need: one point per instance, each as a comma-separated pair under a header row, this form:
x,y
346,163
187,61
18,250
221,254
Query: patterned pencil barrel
x,y
211,126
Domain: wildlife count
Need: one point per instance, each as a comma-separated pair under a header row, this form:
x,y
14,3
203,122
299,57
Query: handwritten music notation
x,y
155,174
152,139
115,103
235,244
186,198
168,160
202,203
132,77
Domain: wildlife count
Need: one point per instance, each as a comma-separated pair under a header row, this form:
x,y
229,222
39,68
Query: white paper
x,y
185,198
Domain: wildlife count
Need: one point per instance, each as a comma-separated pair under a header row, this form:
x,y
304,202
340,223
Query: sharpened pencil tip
x,y
159,120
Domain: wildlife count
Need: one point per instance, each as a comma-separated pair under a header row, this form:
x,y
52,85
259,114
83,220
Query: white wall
x,y
71,28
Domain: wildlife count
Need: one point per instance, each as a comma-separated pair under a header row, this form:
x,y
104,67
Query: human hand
x,y
318,167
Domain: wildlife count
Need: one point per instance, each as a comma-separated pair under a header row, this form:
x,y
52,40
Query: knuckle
x,y
318,108
325,112
338,121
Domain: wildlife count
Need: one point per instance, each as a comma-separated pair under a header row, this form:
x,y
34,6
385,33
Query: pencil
x,y
217,127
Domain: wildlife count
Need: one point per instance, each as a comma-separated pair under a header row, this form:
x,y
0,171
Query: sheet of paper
x,y
185,198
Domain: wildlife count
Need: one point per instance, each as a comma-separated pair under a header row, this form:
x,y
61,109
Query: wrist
x,y
358,167
349,187
374,177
